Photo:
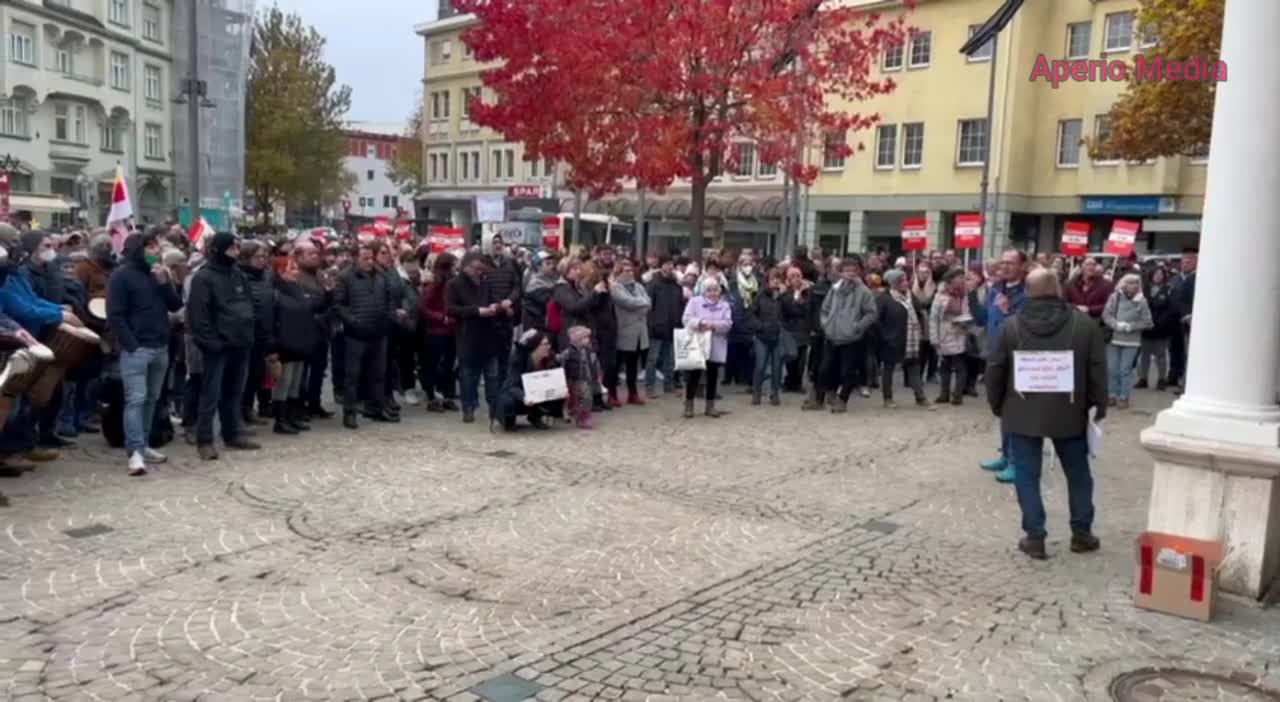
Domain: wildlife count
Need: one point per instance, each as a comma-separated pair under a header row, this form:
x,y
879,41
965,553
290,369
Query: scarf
x,y
913,324
748,286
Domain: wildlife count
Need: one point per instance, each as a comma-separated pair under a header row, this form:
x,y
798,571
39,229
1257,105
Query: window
x,y
886,145
433,168
921,47
1069,134
151,22
369,174
469,94
984,52
66,62
440,105
112,137
504,164
1101,136
118,12
13,118
768,169
469,165
1119,35
444,168
63,186
119,71
892,60
151,83
971,146
1079,35
1147,38
833,151
153,142
22,43
913,145
61,122
386,200
745,157
446,50
81,119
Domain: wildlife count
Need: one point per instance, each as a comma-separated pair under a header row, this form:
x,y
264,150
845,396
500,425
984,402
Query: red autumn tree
x,y
656,90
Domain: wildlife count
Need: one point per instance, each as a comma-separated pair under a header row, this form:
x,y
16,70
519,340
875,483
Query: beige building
x,y
925,158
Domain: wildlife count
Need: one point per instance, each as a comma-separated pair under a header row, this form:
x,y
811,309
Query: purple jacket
x,y
719,315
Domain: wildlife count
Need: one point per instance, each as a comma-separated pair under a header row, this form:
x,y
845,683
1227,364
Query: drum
x,y
98,310
71,346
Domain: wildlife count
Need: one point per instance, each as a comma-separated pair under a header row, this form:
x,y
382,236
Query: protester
x,y
923,290
363,302
477,308
951,320
797,319
582,299
848,312
1006,297
319,285
708,313
582,374
1184,296
631,306
1166,322
1089,291
1048,324
666,312
254,257
296,336
1127,315
505,281
901,328
766,315
538,291
440,344
532,353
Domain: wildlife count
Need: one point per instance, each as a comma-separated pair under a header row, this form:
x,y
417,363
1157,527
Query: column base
x,y
1193,416
1220,491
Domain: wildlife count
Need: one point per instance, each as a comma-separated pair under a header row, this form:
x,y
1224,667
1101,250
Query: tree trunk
x,y
577,217
697,215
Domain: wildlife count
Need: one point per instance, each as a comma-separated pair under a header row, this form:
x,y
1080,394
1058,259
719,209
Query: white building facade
x,y
86,86
370,149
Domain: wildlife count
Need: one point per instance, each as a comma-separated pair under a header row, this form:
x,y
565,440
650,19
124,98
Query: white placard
x,y
491,208
1044,371
545,386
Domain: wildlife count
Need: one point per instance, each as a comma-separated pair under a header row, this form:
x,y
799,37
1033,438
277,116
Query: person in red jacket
x,y
440,345
1089,291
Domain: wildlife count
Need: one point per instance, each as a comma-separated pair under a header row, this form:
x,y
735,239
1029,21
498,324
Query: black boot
x,y
282,425
815,401
296,415
349,419
317,411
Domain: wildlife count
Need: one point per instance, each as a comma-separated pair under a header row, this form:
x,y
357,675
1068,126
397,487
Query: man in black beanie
x,y
220,317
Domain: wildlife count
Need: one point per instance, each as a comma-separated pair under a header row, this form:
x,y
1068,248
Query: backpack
x,y
553,317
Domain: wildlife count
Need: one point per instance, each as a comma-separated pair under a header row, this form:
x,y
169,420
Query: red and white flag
x,y
121,211
199,230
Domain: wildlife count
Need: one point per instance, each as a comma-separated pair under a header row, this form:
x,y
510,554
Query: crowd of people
x,y
229,334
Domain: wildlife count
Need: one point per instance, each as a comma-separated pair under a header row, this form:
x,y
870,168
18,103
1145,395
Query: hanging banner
x,y
491,208
915,236
1124,233
1075,239
968,231
551,237
442,239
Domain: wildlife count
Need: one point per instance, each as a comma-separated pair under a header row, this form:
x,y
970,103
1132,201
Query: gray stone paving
x,y
769,555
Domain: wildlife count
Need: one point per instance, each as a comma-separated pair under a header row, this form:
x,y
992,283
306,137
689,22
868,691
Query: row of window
x,y
440,100
388,201
1120,30
71,125
120,13
502,166
22,50
442,51
381,150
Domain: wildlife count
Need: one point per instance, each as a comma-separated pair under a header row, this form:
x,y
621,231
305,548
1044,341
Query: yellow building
x,y
925,158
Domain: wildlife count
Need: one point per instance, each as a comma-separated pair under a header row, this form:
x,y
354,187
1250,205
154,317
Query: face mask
x,y
151,259
746,270
48,255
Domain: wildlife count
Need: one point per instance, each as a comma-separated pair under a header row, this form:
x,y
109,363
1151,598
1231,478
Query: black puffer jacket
x,y
296,332
796,316
364,303
766,316
666,310
478,336
264,308
220,308
579,307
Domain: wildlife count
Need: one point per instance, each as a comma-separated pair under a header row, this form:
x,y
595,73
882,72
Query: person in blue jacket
x,y
1005,298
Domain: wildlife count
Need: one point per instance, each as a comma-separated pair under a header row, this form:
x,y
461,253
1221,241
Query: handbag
x,y
692,349
787,344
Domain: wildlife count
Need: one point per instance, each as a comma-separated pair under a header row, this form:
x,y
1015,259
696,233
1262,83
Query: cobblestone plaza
x,y
768,555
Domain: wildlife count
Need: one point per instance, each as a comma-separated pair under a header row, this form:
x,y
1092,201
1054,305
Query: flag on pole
x,y
199,230
121,211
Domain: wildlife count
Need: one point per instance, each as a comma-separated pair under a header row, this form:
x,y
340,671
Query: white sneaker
x,y
137,465
413,397
151,455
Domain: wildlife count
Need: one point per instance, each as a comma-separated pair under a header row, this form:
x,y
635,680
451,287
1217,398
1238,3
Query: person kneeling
x,y
532,353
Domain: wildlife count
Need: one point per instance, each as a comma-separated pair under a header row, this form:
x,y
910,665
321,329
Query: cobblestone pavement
x,y
768,555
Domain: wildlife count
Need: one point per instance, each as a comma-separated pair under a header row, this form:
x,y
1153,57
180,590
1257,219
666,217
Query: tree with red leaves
x,y
655,90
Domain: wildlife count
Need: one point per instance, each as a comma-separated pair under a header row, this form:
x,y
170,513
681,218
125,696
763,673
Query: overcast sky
x,y
372,46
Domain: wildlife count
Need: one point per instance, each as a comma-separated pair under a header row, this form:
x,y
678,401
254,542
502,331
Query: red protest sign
x,y
1075,239
441,239
915,236
968,231
1123,235
551,237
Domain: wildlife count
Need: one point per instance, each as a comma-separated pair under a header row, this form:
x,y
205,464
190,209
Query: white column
x,y
857,241
1235,336
933,228
1217,450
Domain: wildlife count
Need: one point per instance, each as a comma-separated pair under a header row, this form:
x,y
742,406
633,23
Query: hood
x,y
134,252
218,247
540,281
30,240
1045,316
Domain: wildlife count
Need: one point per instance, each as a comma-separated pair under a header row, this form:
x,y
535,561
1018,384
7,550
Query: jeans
x,y
142,373
1120,370
912,368
1157,349
223,383
1027,456
662,357
768,360
843,367
289,386
954,365
472,373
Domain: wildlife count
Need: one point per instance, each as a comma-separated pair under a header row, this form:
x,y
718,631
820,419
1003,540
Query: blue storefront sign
x,y
1129,204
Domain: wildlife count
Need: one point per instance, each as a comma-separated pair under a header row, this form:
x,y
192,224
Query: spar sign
x,y
1124,233
442,239
968,231
1075,239
914,234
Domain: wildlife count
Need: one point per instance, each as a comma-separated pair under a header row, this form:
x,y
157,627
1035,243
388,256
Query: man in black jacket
x,y
504,281
666,315
1184,298
1047,370
477,307
220,317
537,292
253,265
318,284
364,304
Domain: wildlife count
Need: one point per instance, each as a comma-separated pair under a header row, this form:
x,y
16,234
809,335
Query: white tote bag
x,y
692,349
